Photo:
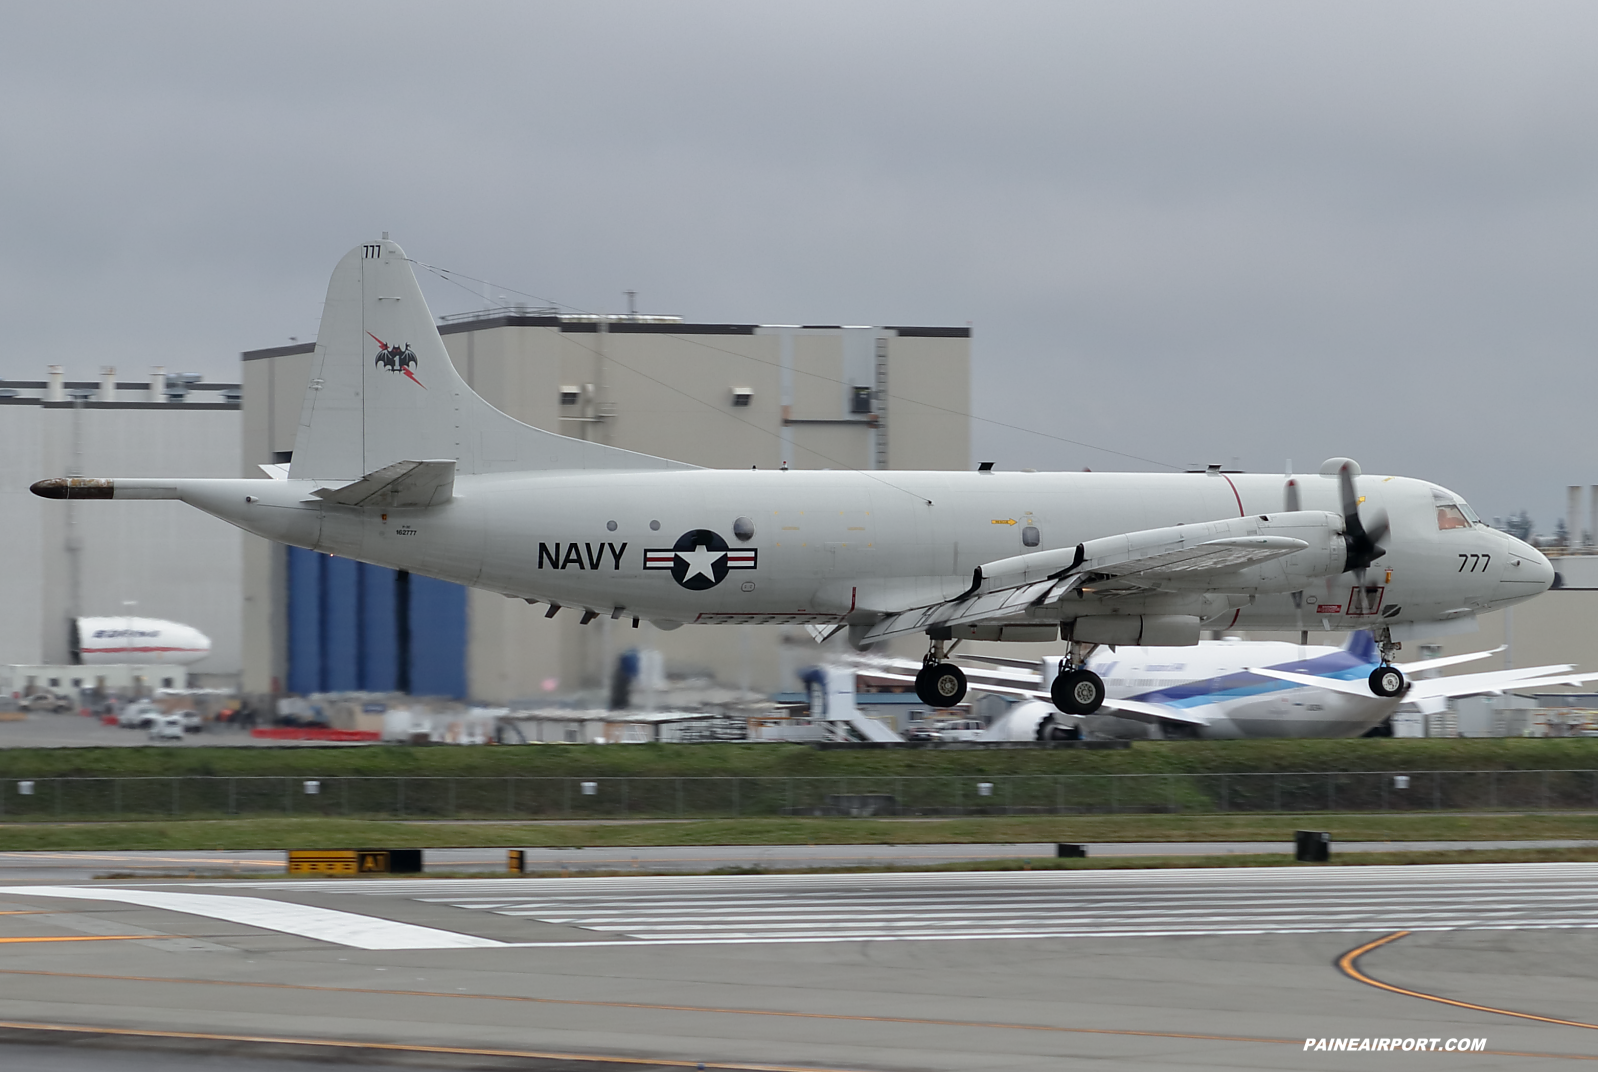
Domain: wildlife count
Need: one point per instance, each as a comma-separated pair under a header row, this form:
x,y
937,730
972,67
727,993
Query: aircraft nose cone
x,y
1527,572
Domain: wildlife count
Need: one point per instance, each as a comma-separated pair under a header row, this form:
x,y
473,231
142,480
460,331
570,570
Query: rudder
x,y
383,390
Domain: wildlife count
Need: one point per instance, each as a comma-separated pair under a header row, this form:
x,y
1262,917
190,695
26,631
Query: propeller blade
x,y
1377,528
1361,543
1345,484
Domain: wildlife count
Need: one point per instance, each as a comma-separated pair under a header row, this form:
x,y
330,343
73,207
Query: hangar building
x,y
718,395
66,560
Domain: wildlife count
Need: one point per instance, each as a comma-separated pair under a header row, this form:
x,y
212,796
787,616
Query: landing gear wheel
x,y
940,685
1387,681
1078,692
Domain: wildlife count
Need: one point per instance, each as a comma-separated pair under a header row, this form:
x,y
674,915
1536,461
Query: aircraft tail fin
x,y
383,390
1362,646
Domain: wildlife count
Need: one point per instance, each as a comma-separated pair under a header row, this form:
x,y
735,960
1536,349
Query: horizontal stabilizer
x,y
418,484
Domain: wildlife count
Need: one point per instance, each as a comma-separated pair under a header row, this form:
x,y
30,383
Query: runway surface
x,y
1223,968
82,866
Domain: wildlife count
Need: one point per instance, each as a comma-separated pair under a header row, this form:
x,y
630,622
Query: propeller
x,y
1363,543
1291,502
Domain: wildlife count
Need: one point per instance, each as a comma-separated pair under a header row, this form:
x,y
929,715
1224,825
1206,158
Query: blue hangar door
x,y
358,627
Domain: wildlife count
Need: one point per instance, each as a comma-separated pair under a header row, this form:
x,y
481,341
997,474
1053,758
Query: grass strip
x,y
779,761
314,833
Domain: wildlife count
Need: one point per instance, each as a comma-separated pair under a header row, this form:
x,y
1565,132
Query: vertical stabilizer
x,y
383,390
1362,646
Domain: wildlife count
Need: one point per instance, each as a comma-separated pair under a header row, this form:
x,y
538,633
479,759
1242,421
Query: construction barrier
x,y
354,861
313,733
322,862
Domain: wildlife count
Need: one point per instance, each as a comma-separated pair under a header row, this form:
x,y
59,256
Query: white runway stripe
x,y
323,924
679,910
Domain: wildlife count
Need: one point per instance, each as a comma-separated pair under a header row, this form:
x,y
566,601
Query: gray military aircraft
x,y
398,462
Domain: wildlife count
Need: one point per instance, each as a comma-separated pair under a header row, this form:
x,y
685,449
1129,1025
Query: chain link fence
x,y
199,797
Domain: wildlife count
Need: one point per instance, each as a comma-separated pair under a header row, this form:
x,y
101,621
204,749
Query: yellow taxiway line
x,y
88,938
1349,964
403,1047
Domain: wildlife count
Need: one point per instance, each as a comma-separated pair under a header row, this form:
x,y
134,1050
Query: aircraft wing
x,y
1494,681
1153,712
1180,556
1411,669
1442,687
1136,709
1360,687
399,485
1007,603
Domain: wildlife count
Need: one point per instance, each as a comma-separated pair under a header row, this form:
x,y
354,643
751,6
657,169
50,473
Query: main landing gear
x,y
1387,679
939,683
1076,689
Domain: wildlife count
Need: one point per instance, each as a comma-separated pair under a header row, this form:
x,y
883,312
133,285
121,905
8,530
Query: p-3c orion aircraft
x,y
397,462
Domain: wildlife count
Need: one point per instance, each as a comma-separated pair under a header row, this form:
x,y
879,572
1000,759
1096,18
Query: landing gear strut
x,y
1076,689
939,683
1387,679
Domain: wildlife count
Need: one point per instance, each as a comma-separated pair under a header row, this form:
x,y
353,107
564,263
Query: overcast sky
x,y
1187,232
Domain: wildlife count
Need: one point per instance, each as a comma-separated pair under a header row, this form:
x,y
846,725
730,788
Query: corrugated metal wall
x,y
354,626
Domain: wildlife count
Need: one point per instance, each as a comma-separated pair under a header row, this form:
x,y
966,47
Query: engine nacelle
x,y
1144,630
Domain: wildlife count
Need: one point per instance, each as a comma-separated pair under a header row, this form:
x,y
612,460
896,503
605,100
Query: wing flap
x,y
1004,604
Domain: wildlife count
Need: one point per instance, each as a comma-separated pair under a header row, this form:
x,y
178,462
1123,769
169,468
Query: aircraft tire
x,y
1078,692
1387,681
940,685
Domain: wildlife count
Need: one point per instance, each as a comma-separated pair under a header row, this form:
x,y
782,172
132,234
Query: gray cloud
x,y
1191,233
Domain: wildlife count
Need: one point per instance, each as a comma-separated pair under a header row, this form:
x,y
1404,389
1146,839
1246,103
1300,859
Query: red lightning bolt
x,y
408,373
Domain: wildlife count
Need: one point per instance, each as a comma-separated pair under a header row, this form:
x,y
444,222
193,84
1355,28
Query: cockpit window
x,y
1452,512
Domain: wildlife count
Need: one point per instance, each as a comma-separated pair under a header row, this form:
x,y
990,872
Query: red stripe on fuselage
x,y
1235,495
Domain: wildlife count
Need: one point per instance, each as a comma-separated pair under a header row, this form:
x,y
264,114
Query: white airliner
x,y
1222,689
139,640
398,462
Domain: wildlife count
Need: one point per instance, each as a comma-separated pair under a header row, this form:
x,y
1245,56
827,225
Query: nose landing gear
x,y
1387,679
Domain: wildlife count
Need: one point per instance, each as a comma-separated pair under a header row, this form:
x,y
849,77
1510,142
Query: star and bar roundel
x,y
700,559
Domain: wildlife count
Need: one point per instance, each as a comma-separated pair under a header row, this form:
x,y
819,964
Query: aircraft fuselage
x,y
824,545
